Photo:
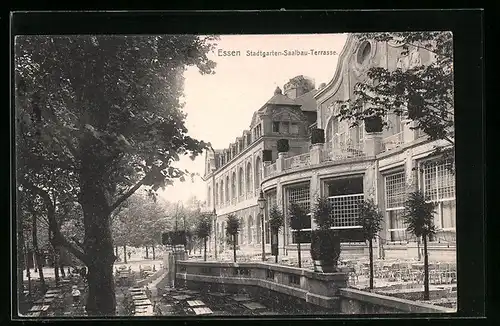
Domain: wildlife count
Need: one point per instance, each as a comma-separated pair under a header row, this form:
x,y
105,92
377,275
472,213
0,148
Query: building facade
x,y
352,165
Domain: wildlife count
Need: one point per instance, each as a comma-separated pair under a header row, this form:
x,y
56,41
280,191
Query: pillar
x,y
373,143
316,153
280,162
408,133
281,204
314,193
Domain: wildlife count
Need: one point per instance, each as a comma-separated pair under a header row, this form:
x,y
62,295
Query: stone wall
x,y
293,287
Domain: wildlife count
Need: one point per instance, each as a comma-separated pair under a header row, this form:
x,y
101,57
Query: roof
x,y
307,101
279,99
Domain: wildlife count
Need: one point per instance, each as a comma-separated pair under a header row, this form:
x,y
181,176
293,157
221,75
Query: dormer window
x,y
276,126
285,127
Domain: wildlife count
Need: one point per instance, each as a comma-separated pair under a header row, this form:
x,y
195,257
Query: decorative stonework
x,y
281,114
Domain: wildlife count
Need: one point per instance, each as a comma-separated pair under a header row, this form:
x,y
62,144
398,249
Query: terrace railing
x,y
393,141
344,151
297,161
270,170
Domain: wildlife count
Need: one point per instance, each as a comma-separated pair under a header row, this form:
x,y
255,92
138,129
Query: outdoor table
x,y
202,311
195,303
36,308
139,297
33,314
142,302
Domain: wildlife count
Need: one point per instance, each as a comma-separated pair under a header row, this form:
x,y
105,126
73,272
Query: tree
x,y
203,230
421,92
276,220
297,221
370,219
104,114
232,230
418,217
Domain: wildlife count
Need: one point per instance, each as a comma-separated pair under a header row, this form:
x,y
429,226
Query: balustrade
x,y
344,151
392,142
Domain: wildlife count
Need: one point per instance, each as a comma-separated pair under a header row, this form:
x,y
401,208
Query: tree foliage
x,y
97,118
276,218
422,92
322,213
419,215
370,219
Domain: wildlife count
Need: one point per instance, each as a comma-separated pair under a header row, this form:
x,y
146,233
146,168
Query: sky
x,y
220,106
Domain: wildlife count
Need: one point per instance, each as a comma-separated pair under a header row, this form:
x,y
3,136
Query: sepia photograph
x,y
235,175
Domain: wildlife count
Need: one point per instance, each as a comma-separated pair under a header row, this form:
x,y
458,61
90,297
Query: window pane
x,y
276,126
398,235
396,219
449,211
395,190
286,127
294,128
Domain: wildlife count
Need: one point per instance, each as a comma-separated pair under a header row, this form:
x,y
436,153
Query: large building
x,y
350,166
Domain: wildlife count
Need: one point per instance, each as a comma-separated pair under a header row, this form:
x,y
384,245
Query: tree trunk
x,y
125,254
36,252
28,274
418,249
34,259
426,270
56,266
234,247
298,250
370,247
116,251
153,248
147,253
20,259
98,242
205,251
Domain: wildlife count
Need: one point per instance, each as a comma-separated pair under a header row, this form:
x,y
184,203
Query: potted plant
x,y
232,229
371,221
283,146
415,104
419,220
317,136
373,124
203,230
297,217
325,242
267,155
276,223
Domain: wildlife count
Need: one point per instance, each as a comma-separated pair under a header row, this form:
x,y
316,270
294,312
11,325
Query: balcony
x,y
344,151
392,142
270,170
297,161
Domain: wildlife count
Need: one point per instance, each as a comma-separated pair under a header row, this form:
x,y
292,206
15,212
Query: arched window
x,y
209,201
241,234
222,192
228,197
233,185
240,181
249,177
250,229
258,172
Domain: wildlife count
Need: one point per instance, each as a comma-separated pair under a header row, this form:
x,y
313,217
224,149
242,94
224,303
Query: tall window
x,y
300,195
222,201
216,190
250,229
228,196
285,127
276,126
294,128
249,177
394,202
240,181
271,202
258,172
439,186
233,185
209,196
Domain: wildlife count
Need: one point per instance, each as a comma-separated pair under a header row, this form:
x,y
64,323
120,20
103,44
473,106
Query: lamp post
x,y
262,204
215,232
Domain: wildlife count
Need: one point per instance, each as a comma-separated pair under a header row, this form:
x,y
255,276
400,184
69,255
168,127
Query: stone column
x,y
408,133
411,172
266,124
314,193
316,153
373,143
280,162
